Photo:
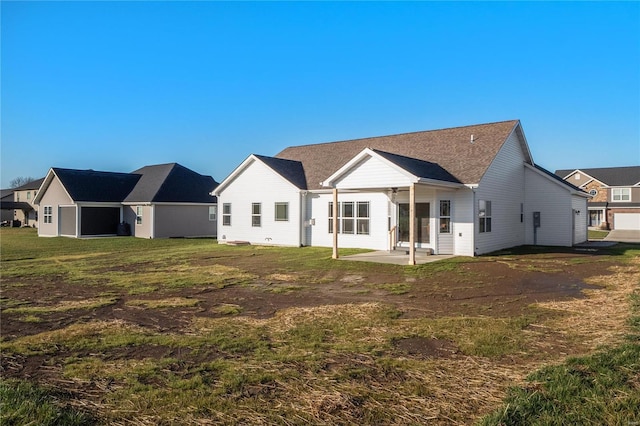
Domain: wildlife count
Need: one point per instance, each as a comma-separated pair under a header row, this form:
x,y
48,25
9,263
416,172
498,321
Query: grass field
x,y
185,331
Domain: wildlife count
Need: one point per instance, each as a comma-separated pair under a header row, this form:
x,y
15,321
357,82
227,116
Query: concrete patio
x,y
396,257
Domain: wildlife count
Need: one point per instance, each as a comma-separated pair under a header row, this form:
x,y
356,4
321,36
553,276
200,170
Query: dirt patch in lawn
x,y
503,288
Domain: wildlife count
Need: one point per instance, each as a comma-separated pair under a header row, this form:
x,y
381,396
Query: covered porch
x,y
420,201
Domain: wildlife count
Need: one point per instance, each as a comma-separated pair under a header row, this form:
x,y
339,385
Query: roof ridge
x,y
401,134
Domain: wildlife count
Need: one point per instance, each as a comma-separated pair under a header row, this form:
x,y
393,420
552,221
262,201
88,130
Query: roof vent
x,y
472,139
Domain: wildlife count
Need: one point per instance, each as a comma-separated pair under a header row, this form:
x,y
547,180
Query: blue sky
x,y
118,85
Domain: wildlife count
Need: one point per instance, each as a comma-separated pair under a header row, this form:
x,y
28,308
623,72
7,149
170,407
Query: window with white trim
x,y
256,214
282,212
362,221
48,214
445,216
353,217
226,214
213,213
484,214
139,210
621,194
347,217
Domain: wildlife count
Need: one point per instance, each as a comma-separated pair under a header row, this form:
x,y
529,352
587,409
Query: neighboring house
x,y
160,201
26,211
615,192
464,191
6,206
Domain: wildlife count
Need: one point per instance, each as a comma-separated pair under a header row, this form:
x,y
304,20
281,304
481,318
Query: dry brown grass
x,y
601,318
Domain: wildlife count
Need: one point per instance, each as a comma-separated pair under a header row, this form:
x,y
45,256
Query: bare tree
x,y
19,181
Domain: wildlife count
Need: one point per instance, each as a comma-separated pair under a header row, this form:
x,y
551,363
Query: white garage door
x,y
626,221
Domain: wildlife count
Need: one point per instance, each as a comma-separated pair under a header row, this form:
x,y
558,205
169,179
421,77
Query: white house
x,y
464,191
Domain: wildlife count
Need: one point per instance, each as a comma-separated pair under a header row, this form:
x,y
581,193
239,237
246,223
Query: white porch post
x,y
335,223
412,224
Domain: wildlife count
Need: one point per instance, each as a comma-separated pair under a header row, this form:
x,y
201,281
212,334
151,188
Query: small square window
x,y
282,212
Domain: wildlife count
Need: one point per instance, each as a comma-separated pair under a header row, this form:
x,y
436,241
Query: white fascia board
x,y
169,203
619,186
361,156
442,183
523,141
45,185
560,184
234,174
98,204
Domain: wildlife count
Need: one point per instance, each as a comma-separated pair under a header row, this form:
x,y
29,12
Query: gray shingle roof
x,y
34,184
91,185
151,184
172,182
612,176
293,171
451,149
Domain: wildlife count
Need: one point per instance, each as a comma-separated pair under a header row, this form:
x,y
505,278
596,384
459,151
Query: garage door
x,y
626,221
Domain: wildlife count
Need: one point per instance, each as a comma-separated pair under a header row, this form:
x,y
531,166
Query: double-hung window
x,y
226,214
484,214
48,214
445,216
282,212
621,194
256,214
213,213
139,210
347,217
362,222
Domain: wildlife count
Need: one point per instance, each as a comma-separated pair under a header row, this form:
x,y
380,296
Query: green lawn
x,y
144,336
597,235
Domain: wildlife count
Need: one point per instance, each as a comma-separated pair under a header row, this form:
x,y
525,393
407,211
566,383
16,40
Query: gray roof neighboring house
x,y
171,182
91,185
610,176
464,153
34,184
151,184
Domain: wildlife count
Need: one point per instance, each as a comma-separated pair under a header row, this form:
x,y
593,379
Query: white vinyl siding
x,y
258,183
556,211
503,185
580,218
373,173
